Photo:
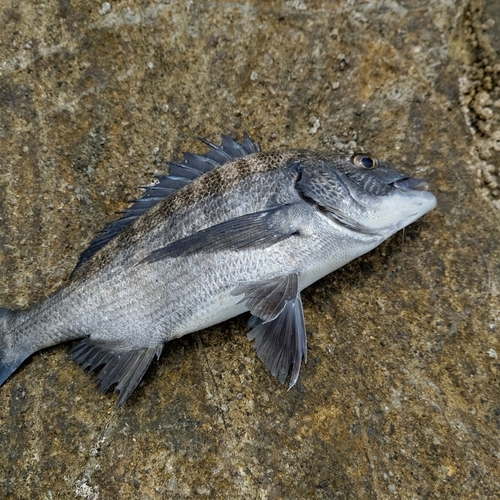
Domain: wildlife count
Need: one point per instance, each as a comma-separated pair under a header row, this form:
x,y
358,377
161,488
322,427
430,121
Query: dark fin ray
x,y
217,153
249,145
182,170
281,343
11,357
174,182
266,299
180,174
122,369
260,229
159,191
230,146
201,163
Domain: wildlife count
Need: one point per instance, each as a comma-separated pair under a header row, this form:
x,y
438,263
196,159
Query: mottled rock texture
x,y
400,397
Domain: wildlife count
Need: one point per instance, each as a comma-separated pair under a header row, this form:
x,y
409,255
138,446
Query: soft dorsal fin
x,y
180,174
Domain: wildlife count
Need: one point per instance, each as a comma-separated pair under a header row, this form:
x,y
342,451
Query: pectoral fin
x,y
259,229
278,327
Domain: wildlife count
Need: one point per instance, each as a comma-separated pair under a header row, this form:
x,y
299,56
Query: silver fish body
x,y
230,231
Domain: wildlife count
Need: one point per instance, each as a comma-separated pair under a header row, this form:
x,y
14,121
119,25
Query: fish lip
x,y
411,184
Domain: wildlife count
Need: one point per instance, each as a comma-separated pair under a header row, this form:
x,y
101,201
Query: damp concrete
x,y
400,397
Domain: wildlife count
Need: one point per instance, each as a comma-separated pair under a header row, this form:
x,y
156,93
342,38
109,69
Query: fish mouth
x,y
411,184
419,200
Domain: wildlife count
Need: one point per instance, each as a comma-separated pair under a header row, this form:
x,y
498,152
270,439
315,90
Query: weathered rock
x,y
400,397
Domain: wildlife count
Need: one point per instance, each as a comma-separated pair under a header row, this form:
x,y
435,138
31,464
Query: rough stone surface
x,y
400,397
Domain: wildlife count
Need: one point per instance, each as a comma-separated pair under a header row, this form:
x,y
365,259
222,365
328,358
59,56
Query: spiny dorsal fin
x,y
180,174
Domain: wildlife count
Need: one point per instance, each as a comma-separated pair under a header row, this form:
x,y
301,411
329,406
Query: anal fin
x,y
124,369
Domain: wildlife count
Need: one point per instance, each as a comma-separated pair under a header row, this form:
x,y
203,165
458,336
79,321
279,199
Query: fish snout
x,y
411,183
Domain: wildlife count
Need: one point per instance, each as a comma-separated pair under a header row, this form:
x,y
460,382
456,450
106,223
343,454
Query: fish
x,y
230,231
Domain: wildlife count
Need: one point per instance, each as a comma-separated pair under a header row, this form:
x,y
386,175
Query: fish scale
x,y
233,230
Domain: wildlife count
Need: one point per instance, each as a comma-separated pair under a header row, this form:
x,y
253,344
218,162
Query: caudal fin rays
x,y
11,355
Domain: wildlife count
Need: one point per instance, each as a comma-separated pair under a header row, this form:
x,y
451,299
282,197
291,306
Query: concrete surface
x,y
400,397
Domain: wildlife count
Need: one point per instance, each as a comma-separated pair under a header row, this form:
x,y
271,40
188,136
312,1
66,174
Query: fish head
x,y
362,194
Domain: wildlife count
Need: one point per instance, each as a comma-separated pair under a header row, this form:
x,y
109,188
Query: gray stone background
x,y
400,397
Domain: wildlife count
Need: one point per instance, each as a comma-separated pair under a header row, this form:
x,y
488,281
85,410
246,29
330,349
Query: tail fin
x,y
11,356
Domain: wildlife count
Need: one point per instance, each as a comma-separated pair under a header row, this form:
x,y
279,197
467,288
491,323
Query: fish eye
x,y
364,161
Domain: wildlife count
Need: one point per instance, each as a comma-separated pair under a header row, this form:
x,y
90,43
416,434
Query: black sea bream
x,y
230,231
